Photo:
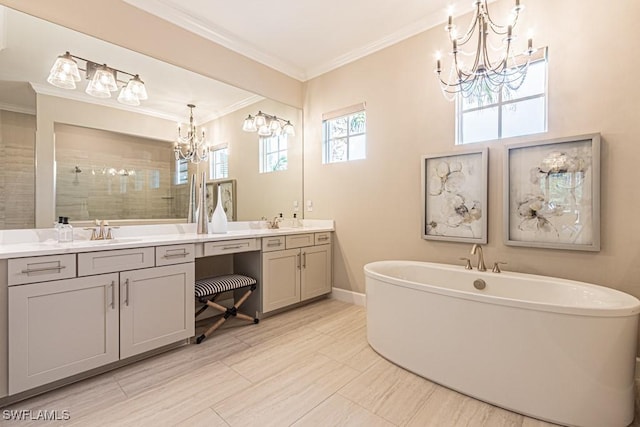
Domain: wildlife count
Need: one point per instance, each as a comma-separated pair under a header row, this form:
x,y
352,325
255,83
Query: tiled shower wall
x,y
17,170
117,177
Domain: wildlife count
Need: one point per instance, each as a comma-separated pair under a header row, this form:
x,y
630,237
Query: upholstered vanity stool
x,y
209,289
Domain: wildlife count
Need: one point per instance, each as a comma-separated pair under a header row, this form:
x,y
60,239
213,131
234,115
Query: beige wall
x,y
261,194
376,202
17,170
130,27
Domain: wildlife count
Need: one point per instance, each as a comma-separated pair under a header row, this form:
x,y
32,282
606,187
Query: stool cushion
x,y
215,285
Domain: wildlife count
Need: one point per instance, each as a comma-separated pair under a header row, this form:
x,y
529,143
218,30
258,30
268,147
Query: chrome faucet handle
x,y
496,266
468,263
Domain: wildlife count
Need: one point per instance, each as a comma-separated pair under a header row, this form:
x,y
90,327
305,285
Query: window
x,y
182,171
273,153
514,113
219,162
344,135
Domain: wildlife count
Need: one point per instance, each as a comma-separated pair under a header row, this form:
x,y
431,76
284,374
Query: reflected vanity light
x,y
102,79
267,125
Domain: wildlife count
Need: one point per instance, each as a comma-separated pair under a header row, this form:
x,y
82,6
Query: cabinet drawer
x,y
90,263
231,246
299,240
41,269
175,254
323,238
273,243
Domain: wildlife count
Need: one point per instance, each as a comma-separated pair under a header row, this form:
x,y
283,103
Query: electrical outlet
x,y
309,206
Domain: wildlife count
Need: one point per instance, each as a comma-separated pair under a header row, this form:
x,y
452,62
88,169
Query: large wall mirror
x,y
66,153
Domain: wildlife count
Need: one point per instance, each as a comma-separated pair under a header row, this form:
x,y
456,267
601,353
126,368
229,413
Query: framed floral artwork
x,y
454,196
552,193
228,191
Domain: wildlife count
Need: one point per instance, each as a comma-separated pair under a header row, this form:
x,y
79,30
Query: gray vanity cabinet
x,y
299,272
61,328
156,307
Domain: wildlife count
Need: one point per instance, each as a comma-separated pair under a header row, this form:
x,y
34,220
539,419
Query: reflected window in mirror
x,y
182,171
219,162
273,153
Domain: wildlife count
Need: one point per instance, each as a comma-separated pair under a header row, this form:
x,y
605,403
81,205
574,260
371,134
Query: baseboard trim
x,y
349,296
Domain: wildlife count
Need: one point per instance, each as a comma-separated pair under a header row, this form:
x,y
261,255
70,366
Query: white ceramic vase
x,y
219,217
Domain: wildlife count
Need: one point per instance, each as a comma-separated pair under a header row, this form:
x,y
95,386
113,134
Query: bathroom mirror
x,y
100,159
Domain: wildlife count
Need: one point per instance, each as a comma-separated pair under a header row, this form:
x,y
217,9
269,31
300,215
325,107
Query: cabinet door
x,y
61,328
316,271
156,307
280,279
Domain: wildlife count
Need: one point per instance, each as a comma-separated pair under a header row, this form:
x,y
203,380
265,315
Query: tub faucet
x,y
477,248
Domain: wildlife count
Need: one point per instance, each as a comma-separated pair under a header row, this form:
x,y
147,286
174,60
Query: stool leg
x,y
233,311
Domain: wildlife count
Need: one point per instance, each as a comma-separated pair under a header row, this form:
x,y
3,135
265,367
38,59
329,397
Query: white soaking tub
x,y
554,349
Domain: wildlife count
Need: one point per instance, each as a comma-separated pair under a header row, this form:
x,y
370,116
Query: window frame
x,y
213,163
538,57
179,171
326,139
263,154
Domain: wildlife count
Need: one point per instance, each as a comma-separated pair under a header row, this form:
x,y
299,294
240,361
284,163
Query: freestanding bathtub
x,y
554,349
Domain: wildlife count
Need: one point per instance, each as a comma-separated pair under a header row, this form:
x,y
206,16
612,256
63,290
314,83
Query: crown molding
x,y
182,18
43,89
15,108
212,32
233,107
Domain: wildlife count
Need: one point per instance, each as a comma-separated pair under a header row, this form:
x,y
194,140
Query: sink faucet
x,y
98,232
477,248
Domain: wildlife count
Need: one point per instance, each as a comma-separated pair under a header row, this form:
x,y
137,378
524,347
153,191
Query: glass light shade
x,y
102,83
127,97
260,120
64,73
288,129
274,124
264,130
249,124
136,86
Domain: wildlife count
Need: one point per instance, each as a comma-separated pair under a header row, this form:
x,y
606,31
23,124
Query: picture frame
x,y
454,196
552,193
229,197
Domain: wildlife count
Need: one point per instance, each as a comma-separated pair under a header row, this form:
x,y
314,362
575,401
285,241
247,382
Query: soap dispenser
x,y
65,231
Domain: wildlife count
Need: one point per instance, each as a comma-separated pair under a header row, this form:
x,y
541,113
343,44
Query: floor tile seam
x,y
368,410
312,409
239,373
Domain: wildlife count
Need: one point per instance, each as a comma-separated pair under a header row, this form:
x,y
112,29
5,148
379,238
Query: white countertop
x,y
36,242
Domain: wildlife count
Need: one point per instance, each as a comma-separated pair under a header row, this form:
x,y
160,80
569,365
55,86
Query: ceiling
x,y
300,38
29,47
304,38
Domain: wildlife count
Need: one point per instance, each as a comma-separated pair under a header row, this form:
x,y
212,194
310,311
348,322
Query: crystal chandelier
x,y
102,79
486,76
267,125
190,146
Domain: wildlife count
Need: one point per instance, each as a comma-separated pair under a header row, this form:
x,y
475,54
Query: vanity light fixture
x,y
267,125
102,79
485,77
190,146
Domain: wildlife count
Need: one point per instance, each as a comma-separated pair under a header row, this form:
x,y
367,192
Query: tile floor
x,y
310,366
